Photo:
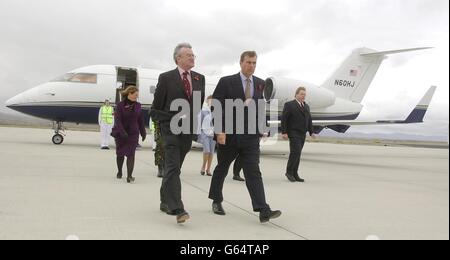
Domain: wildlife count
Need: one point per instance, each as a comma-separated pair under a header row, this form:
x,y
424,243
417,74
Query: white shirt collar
x,y
244,78
301,103
182,71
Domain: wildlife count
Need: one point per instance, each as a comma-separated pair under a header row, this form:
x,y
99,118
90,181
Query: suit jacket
x,y
296,120
128,123
231,87
170,88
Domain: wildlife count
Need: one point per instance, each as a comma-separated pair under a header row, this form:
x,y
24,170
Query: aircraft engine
x,y
284,89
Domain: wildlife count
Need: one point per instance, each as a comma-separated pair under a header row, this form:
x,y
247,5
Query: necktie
x,y
302,106
187,85
248,91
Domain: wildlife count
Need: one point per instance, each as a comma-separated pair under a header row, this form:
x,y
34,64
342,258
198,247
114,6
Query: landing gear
x,y
58,139
59,132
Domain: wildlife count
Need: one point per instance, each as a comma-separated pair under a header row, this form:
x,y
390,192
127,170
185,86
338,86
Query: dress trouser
x,y
296,143
176,148
247,148
237,167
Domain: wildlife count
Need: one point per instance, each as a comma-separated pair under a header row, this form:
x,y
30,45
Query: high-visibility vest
x,y
107,114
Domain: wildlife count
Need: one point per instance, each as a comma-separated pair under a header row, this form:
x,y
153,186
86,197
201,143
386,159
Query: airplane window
x,y
84,78
79,77
64,78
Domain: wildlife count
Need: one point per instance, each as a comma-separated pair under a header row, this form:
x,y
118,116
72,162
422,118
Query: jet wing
x,y
416,116
341,126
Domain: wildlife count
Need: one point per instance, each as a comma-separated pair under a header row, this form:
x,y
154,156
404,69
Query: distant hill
x,y
385,136
17,119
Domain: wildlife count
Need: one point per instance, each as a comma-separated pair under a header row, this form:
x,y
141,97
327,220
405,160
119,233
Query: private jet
x,y
336,104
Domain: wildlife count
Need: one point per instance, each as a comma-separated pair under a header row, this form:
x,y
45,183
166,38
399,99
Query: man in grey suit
x,y
295,123
179,84
246,88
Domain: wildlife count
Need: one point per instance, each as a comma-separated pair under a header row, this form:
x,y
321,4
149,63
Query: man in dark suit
x,y
295,122
244,88
178,84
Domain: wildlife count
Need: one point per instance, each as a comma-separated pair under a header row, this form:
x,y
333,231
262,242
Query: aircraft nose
x,y
9,102
16,100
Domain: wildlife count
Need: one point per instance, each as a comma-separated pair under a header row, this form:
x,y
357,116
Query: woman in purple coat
x,y
128,124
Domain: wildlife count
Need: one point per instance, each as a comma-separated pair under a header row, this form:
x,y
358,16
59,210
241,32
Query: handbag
x,y
115,133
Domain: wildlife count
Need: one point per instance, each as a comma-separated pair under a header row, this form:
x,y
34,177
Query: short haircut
x,y
300,89
249,54
177,50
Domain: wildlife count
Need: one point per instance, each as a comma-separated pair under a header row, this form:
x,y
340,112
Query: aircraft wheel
x,y
58,139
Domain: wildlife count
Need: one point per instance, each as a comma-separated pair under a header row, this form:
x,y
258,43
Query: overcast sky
x,y
305,40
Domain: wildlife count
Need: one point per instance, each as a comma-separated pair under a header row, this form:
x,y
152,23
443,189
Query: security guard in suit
x,y
295,123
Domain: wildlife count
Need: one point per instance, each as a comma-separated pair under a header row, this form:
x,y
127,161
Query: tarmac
x,y
351,192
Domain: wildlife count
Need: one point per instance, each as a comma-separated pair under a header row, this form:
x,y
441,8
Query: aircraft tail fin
x,y
383,53
352,79
417,115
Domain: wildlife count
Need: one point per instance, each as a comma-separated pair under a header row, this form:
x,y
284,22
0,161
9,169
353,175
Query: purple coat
x,y
128,124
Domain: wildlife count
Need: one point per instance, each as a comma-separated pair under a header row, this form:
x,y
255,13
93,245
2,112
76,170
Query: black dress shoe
x,y
267,215
218,209
182,217
202,173
105,148
164,208
119,176
291,178
130,179
238,178
298,179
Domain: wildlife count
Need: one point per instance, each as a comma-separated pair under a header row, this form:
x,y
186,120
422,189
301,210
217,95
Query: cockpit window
x,y
84,78
78,77
64,77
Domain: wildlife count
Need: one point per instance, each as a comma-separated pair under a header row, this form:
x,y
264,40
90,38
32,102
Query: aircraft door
x,y
125,77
